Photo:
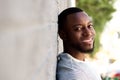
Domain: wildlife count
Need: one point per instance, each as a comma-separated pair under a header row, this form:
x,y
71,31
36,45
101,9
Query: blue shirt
x,y
69,68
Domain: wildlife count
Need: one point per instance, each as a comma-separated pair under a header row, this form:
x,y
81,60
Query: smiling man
x,y
76,30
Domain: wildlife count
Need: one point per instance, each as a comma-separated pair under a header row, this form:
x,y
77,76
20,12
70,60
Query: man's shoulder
x,y
63,56
63,59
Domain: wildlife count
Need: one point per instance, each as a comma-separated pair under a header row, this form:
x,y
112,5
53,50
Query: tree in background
x,y
101,12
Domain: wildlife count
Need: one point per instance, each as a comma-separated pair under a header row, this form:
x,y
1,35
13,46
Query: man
x,y
76,30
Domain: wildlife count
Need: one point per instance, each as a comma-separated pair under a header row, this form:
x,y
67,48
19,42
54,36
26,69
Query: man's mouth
x,y
90,40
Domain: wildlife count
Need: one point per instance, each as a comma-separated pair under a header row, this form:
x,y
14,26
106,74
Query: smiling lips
x,y
90,40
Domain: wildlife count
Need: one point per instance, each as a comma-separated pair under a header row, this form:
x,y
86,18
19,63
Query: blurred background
x,y
29,42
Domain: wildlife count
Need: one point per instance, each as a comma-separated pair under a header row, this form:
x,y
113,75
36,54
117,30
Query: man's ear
x,y
62,35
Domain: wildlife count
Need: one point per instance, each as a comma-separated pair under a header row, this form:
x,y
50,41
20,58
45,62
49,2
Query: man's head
x,y
76,30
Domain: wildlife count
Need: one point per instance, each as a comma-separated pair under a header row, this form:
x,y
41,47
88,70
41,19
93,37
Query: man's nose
x,y
86,32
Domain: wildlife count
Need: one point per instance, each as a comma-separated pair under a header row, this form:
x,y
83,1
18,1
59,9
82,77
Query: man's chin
x,y
87,51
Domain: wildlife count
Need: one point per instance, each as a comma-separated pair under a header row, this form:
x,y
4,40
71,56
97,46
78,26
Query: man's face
x,y
79,32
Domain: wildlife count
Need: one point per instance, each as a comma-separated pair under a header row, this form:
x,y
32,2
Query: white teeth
x,y
87,40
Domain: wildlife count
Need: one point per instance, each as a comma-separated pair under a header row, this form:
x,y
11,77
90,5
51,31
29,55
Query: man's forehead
x,y
79,15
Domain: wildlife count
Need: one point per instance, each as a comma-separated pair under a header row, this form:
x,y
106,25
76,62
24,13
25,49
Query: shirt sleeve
x,y
71,75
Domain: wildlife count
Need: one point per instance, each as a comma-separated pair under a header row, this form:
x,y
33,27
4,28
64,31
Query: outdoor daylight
x,y
59,39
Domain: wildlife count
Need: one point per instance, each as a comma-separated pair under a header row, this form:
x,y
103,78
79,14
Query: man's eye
x,y
77,29
90,26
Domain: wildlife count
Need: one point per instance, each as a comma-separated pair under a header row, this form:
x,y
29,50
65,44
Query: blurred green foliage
x,y
101,12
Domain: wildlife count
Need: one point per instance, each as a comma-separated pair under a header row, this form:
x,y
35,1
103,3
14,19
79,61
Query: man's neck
x,y
76,54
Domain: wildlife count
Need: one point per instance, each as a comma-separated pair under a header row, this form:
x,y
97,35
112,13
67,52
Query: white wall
x,y
28,38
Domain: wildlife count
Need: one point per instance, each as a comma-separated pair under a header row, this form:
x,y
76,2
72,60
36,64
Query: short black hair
x,y
62,16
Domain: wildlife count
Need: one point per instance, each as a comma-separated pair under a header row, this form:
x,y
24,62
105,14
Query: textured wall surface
x,y
28,38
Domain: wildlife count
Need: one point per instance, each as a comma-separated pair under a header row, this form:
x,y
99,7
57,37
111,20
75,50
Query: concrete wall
x,y
28,38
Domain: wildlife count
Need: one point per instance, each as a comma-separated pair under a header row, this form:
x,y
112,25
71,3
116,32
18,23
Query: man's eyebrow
x,y
76,25
81,24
